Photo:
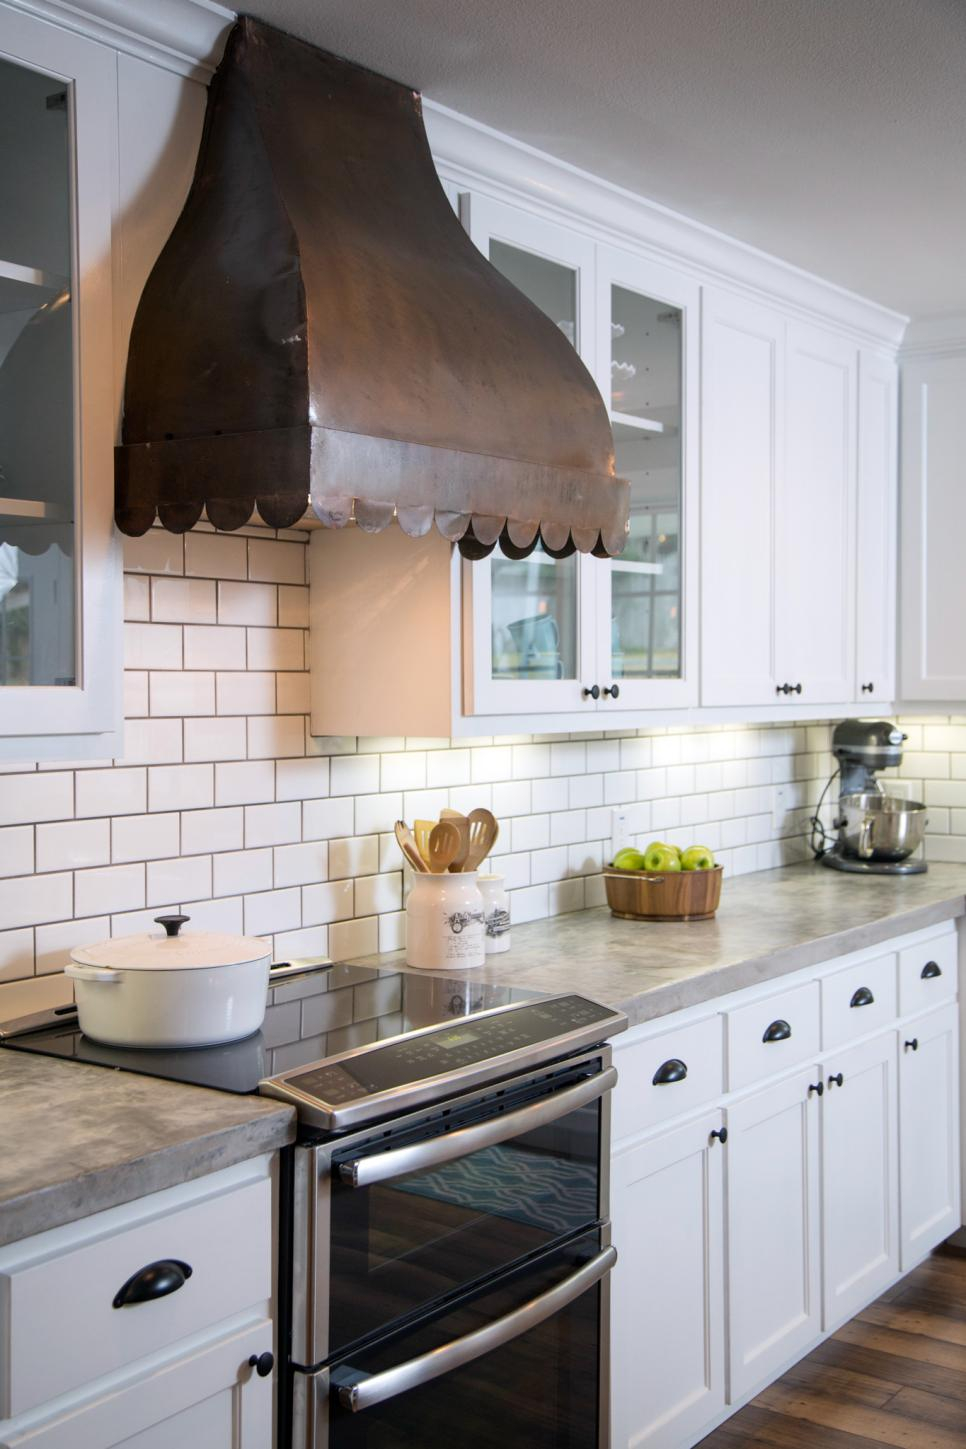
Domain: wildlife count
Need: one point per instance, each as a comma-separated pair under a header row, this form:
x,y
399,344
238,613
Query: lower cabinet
x,y
860,1193
774,1274
211,1398
667,1291
928,1132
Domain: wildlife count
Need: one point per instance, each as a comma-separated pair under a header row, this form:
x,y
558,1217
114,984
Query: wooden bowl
x,y
663,895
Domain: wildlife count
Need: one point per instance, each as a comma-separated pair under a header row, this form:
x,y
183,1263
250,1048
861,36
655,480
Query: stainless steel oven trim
x,y
383,1166
433,1089
377,1388
312,1392
312,1221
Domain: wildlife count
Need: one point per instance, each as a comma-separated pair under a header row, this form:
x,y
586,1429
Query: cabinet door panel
x,y
528,627
667,1355
742,373
774,1281
928,1133
815,520
875,649
860,1178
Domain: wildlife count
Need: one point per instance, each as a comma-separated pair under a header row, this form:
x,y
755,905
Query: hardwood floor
x,y
894,1375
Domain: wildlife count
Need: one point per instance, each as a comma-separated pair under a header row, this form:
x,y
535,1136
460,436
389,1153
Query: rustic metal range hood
x,y
319,333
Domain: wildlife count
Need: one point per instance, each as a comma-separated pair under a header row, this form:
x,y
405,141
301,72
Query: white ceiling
x,y
829,132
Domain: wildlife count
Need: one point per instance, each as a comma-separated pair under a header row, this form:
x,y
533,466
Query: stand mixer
x,y
877,833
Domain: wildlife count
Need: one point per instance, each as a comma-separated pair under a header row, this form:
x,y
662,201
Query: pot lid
x,y
168,950
320,333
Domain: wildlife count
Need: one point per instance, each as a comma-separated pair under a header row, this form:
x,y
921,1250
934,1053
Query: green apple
x,y
661,857
697,857
628,859
662,845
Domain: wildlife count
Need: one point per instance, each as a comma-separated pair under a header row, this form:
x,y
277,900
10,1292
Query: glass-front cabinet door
x,y
529,625
647,360
59,602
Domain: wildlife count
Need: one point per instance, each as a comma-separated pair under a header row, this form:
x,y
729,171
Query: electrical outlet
x,y
780,803
619,830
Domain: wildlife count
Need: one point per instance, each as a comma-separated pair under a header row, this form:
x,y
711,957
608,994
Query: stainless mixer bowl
x,y
880,827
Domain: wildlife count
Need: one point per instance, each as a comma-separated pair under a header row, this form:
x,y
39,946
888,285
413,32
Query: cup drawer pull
x,y
156,1280
671,1071
862,997
778,1031
931,970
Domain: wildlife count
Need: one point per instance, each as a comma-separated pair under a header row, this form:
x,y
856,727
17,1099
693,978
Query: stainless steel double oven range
x,y
448,1209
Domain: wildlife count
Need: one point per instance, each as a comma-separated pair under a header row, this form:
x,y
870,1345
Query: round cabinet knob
x,y
262,1363
721,1133
592,693
613,690
836,1080
796,689
818,1088
868,688
912,1046
783,689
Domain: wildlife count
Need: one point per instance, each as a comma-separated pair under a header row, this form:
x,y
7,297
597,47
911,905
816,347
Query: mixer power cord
x,y
818,836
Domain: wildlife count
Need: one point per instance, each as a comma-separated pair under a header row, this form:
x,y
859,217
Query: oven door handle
x,y
383,1166
376,1388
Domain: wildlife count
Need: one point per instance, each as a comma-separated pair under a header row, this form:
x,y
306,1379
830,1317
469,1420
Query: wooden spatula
x,y
445,842
407,844
483,831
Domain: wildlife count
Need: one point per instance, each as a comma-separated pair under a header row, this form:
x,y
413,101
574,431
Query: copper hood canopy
x,y
320,333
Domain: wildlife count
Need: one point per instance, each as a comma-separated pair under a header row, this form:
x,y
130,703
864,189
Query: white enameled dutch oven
x,y
164,989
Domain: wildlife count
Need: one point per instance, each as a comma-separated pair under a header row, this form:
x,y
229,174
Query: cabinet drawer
x,y
858,1000
687,1065
64,1330
773,1034
928,973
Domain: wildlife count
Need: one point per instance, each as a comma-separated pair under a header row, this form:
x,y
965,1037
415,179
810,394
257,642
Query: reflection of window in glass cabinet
x,y
57,560
646,314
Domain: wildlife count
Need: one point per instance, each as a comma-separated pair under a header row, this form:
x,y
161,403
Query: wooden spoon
x,y
463,826
483,831
422,829
444,844
407,844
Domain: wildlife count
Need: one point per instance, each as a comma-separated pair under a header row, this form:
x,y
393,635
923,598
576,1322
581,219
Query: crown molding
x,y
935,337
472,154
185,36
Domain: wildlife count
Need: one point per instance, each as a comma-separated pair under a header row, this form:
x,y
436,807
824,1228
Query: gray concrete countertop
x,y
77,1138
768,924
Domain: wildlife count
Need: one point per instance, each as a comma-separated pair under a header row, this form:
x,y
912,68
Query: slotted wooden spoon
x,y
407,844
445,841
483,831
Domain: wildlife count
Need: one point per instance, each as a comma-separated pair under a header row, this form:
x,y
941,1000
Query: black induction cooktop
x,y
315,1010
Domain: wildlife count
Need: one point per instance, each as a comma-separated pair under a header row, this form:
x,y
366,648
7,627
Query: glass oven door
x,y
401,1217
521,1362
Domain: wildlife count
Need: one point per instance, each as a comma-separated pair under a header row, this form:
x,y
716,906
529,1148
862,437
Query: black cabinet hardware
x,y
788,688
156,1280
836,1079
797,689
862,997
671,1071
930,970
778,1031
868,688
912,1045
818,1088
721,1133
171,924
613,690
592,693
262,1363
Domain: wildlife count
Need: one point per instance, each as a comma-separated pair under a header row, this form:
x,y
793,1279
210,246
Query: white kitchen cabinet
x,y
933,507
929,1188
742,375
210,1396
774,1229
648,373
667,1289
815,559
859,1177
877,521
60,575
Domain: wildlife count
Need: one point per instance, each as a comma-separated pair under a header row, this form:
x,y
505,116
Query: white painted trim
x,y
474,155
185,36
935,337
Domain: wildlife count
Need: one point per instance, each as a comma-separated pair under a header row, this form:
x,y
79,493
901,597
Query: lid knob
x,y
171,924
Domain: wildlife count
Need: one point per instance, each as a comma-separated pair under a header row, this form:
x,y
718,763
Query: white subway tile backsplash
x,y
215,738
353,938
155,552
377,813
27,798
275,736
354,774
135,693
137,597
273,824
375,894
302,864
246,692
272,911
276,649
144,837
203,831
292,691
17,850
104,891
179,693
249,604
152,742
16,961
212,646
276,563
451,767
152,646
247,783
224,913
180,787
54,943
322,819
293,607
183,601
73,844
169,882
511,799
405,771
215,556
354,856
306,779
327,901
491,762
32,899
240,871
306,943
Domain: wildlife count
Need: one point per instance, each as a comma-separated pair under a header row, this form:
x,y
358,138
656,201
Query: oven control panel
x,y
453,1053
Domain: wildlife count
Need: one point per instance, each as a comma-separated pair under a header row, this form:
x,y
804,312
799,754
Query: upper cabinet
x,y
877,521
59,564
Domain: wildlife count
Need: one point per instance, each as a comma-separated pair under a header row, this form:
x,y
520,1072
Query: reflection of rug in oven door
x,y
542,1192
